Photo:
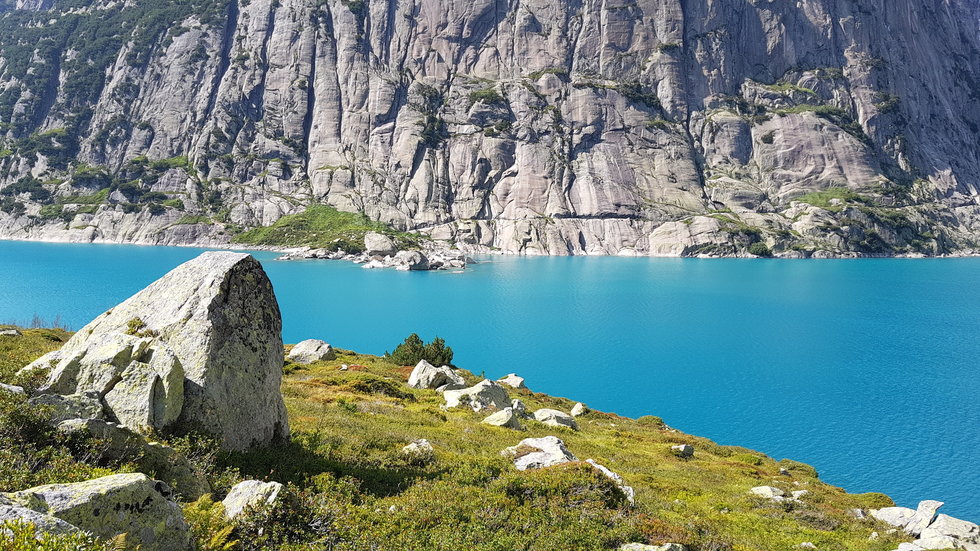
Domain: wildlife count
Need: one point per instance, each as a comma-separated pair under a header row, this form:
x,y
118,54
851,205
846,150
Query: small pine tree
x,y
415,349
437,353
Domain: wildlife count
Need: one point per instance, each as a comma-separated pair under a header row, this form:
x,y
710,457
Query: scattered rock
x,y
216,320
378,244
311,350
768,492
519,408
579,409
537,453
683,450
806,545
72,406
857,513
106,507
483,395
512,380
410,260
555,418
250,494
426,375
9,332
628,491
504,418
123,444
799,493
784,472
11,389
420,450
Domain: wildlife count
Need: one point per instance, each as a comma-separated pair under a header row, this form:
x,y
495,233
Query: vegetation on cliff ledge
x,y
350,486
322,226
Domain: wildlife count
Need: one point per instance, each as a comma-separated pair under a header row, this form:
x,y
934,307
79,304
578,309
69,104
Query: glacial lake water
x,y
866,369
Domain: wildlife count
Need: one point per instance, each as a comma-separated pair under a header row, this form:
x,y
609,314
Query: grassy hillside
x,y
322,226
351,487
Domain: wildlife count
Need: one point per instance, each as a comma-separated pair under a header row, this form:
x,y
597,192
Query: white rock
x,y
894,516
579,409
11,389
555,418
512,380
250,495
419,449
945,525
426,375
925,513
627,490
9,332
936,542
768,492
504,418
311,350
106,507
537,453
645,547
483,395
217,316
806,545
799,493
683,450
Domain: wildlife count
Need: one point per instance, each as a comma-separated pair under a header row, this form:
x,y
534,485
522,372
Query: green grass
x,y
322,226
350,487
96,198
822,198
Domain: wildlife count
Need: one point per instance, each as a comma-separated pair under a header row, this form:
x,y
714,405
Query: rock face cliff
x,y
667,127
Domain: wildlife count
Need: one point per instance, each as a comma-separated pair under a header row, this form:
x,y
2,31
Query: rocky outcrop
x,y
656,127
512,380
130,504
484,395
250,495
933,531
426,375
311,350
538,453
201,347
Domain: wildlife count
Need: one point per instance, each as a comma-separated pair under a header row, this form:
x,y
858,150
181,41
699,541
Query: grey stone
x,y
683,450
768,492
555,418
426,375
945,525
628,491
9,332
311,350
894,516
411,260
72,406
12,389
519,408
133,504
537,453
504,418
379,244
216,319
10,511
645,547
250,495
925,513
419,449
579,409
483,395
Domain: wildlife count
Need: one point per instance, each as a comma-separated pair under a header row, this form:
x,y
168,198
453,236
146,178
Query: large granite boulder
x,y
311,350
123,444
378,244
201,347
250,495
484,395
71,406
411,260
537,453
426,375
133,504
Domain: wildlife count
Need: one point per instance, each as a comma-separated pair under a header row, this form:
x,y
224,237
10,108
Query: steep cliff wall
x,y
585,126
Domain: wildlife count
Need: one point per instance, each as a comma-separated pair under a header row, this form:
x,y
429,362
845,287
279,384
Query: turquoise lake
x,y
866,369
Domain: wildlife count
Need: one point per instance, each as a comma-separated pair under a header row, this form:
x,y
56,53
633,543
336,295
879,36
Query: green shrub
x,y
22,536
209,528
489,96
414,350
760,249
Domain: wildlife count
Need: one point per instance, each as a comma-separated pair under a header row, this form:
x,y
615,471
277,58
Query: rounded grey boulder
x,y
311,350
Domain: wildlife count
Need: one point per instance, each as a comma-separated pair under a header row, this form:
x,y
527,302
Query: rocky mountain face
x,y
662,127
